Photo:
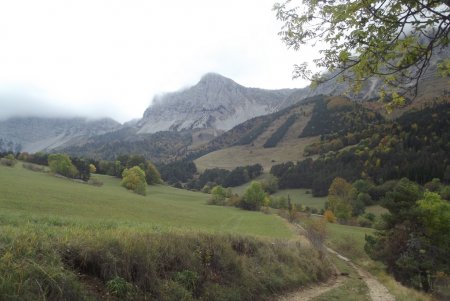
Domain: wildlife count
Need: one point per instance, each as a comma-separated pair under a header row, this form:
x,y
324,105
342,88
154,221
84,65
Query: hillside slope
x,y
245,144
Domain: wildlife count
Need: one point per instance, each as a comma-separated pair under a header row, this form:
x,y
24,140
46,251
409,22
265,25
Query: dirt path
x,y
377,291
308,293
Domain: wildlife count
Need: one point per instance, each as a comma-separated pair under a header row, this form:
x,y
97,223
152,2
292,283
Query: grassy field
x,y
299,196
64,240
30,195
348,240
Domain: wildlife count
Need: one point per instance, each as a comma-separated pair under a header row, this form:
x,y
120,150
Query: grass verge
x,y
48,262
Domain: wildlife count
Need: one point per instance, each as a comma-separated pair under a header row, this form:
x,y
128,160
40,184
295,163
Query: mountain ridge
x,y
32,134
214,102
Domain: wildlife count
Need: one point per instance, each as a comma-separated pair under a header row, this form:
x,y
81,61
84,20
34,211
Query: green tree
x,y
253,197
270,184
61,164
341,197
134,179
218,195
393,40
415,242
152,174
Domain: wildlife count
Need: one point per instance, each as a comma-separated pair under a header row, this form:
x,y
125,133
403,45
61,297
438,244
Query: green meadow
x,y
26,195
301,196
297,196
65,240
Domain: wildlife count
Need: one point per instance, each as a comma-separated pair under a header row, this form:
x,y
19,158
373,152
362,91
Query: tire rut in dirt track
x,y
308,293
377,291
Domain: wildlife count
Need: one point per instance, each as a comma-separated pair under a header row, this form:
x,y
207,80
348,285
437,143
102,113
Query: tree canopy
x,y
253,197
414,243
391,39
61,164
134,179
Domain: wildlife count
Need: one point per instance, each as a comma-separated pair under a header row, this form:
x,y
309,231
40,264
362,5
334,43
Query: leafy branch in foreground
x,y
390,39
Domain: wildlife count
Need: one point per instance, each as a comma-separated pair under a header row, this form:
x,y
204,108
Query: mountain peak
x,y
215,102
214,78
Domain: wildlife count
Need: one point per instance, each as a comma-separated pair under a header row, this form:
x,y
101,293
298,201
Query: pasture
x,y
26,195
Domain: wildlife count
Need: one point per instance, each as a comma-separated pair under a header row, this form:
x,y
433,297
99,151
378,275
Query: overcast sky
x,y
100,58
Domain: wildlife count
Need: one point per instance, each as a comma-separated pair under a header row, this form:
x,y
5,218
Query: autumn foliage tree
x,y
134,179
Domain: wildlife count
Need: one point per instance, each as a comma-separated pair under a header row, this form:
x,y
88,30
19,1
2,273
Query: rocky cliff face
x,y
32,134
215,102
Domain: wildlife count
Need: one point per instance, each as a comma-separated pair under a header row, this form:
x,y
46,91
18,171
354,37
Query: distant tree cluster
x,y
116,167
280,132
226,178
254,133
157,147
338,115
177,172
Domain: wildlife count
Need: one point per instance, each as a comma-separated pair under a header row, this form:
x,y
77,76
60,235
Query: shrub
x,y
119,287
92,168
188,279
445,192
316,232
234,200
174,291
218,196
434,185
33,167
329,216
363,221
134,179
95,182
364,198
270,184
8,162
